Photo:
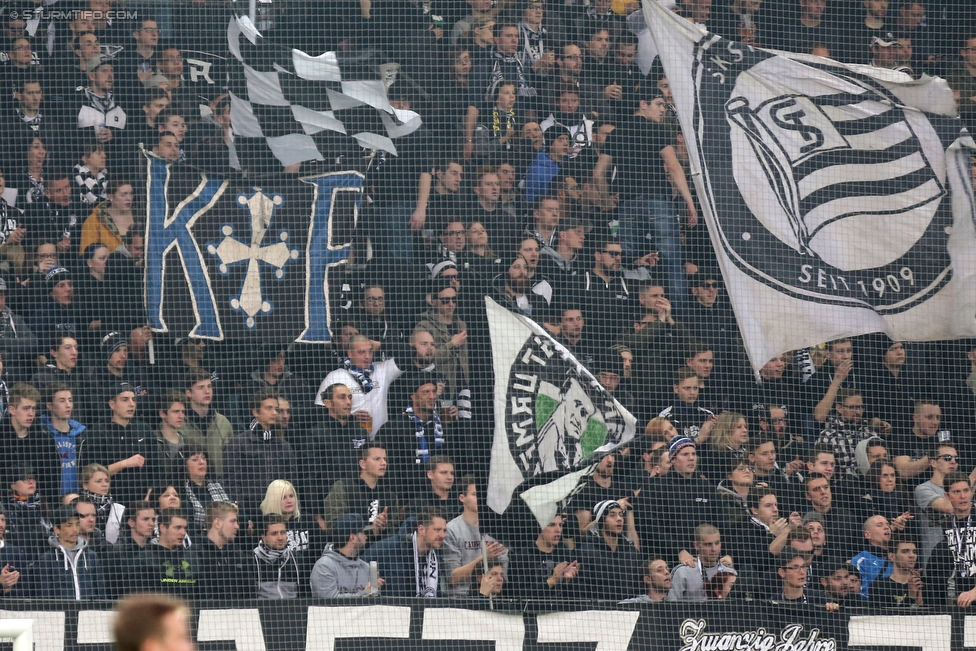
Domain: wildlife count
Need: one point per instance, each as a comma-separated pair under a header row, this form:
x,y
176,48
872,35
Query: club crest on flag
x,y
839,194
556,421
551,413
838,197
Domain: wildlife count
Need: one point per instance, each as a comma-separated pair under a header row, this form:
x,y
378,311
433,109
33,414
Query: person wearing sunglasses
x,y
609,295
451,344
710,317
931,500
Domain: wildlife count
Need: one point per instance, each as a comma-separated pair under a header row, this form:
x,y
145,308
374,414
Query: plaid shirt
x,y
843,437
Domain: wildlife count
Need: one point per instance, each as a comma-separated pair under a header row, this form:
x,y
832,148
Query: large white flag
x,y
552,417
838,197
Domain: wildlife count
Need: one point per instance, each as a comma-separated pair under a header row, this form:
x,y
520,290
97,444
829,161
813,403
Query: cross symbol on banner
x,y
232,251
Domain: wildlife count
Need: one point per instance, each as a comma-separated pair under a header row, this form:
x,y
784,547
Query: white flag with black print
x,y
553,418
838,197
298,107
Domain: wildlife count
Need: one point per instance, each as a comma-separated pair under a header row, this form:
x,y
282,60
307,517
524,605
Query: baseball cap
x,y
19,471
96,61
706,275
608,361
64,513
813,516
346,525
155,81
113,391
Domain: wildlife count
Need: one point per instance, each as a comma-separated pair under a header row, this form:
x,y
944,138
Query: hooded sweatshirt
x,y
68,574
172,571
337,575
70,445
277,572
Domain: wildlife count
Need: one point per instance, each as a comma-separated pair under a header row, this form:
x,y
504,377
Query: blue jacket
x,y
539,175
395,560
56,576
69,447
871,567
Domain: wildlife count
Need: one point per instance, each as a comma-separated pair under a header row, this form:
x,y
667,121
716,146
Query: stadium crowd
x,y
548,174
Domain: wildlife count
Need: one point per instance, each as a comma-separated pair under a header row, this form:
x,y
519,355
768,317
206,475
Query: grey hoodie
x,y
336,575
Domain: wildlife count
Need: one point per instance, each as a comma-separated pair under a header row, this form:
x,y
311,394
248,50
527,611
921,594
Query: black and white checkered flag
x,y
294,105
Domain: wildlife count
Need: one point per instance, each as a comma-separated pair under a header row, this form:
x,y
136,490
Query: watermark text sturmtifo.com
x,y
53,13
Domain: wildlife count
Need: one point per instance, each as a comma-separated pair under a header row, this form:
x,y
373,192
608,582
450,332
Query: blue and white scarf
x,y
361,375
423,444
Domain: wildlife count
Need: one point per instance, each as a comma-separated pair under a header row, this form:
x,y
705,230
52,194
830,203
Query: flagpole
x,y
484,567
252,11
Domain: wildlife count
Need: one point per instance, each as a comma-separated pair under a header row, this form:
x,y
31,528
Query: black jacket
x,y
15,559
36,451
119,560
222,573
530,569
328,452
352,495
605,573
406,466
49,222
26,528
253,460
669,509
110,442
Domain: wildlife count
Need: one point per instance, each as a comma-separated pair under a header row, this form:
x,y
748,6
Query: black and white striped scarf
x,y
101,104
8,221
277,557
217,494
